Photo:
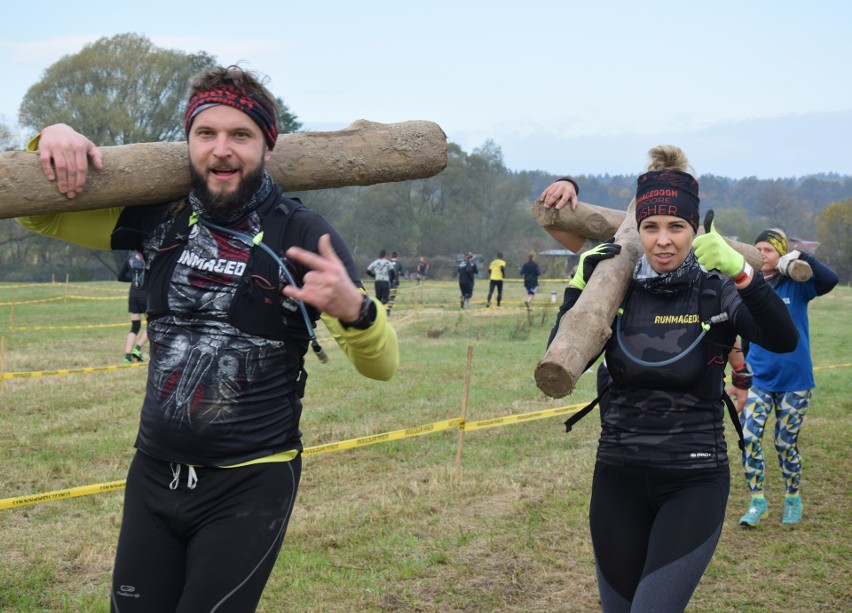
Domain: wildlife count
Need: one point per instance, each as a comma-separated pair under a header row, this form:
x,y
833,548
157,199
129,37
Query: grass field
x,y
387,527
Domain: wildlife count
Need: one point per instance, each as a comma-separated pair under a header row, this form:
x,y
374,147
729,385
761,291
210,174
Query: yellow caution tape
x,y
55,298
75,297
69,371
27,285
94,288
385,437
438,426
82,327
83,490
835,366
816,368
523,417
395,435
31,301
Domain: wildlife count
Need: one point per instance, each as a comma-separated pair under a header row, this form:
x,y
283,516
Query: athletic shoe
x,y
137,354
127,361
792,510
755,512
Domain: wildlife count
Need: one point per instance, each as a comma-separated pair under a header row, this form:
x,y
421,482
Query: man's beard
x,y
222,205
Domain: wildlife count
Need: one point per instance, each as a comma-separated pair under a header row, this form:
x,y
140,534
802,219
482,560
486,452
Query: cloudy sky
x,y
753,88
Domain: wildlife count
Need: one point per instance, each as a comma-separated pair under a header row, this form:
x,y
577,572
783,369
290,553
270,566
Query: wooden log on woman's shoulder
x,y
584,330
600,223
365,153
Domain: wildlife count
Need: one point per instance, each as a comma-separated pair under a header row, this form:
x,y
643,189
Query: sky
x,y
746,88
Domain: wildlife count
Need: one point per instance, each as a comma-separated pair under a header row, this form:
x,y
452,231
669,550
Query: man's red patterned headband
x,y
238,98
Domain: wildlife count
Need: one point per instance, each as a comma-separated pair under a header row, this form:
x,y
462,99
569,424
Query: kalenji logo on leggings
x,y
127,591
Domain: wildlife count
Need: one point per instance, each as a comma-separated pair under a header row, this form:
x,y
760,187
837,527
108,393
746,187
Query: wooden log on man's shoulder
x,y
365,153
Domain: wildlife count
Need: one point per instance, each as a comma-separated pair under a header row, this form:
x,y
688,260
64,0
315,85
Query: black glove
x,y
589,259
742,378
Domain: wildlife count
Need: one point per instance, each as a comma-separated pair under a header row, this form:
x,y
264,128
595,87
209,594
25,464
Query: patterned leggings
x,y
790,409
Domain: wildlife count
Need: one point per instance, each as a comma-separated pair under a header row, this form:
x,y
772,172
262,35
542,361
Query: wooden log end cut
x,y
554,379
800,270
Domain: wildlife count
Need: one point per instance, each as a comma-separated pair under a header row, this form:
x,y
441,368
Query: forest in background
x,y
123,90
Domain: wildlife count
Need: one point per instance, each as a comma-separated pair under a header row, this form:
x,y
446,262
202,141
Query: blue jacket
x,y
792,372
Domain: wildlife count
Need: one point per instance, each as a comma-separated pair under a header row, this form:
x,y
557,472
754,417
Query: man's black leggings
x,y
498,285
653,533
202,547
383,291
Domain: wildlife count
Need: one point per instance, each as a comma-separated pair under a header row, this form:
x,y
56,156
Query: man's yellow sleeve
x,y
91,229
374,352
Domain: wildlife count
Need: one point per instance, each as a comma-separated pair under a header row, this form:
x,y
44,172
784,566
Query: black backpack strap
x,y
735,417
178,231
275,223
256,307
602,384
710,298
710,306
124,273
136,223
163,263
569,423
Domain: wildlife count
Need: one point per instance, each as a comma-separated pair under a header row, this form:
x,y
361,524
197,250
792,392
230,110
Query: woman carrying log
x,y
661,480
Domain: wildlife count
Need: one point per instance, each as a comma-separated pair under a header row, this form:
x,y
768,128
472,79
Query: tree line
x,y
123,89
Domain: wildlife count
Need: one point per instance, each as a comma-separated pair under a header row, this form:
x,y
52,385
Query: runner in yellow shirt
x,y
498,272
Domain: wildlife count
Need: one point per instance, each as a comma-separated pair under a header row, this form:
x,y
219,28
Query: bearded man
x,y
238,275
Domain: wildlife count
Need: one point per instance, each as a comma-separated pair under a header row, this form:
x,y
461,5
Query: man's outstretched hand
x,y
327,286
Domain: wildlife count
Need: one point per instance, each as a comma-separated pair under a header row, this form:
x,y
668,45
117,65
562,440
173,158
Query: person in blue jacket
x,y
781,383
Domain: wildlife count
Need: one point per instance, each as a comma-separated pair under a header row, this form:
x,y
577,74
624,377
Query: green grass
x,y
387,527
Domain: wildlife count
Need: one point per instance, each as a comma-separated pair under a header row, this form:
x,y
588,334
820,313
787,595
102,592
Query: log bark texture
x,y
584,330
365,153
600,223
